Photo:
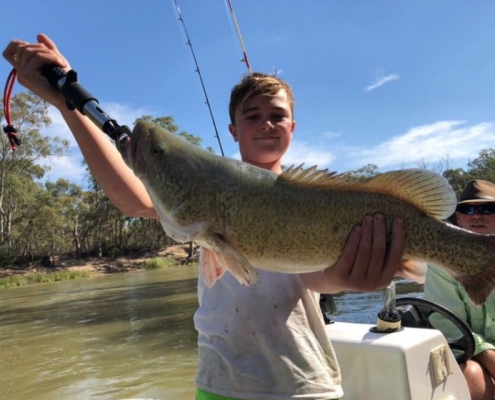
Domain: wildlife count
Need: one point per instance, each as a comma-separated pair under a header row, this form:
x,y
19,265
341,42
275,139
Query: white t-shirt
x,y
265,341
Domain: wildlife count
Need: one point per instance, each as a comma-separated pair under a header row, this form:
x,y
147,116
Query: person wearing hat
x,y
475,212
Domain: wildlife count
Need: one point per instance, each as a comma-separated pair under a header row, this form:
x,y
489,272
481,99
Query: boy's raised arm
x,y
118,181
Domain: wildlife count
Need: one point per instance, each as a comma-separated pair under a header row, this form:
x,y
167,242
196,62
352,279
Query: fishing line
x,y
189,43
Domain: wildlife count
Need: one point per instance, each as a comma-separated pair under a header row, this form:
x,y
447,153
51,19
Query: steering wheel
x,y
417,316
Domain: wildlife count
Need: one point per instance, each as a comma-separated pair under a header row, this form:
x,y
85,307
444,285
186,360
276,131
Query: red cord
x,y
7,94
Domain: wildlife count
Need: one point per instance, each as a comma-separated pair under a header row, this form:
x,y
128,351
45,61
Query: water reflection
x,y
363,307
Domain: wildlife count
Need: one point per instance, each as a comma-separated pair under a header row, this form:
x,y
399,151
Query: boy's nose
x,y
267,124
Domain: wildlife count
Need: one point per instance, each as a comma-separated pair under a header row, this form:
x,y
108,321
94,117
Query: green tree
x,y
483,167
29,115
458,178
68,200
363,173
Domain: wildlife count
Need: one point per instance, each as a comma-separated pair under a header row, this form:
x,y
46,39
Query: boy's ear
x,y
233,132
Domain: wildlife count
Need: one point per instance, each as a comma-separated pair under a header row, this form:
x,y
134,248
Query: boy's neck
x,y
274,167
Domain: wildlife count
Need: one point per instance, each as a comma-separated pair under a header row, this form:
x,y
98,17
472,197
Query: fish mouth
x,y
124,146
139,166
133,156
122,141
127,145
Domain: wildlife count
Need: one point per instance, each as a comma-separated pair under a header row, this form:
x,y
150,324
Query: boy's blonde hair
x,y
254,85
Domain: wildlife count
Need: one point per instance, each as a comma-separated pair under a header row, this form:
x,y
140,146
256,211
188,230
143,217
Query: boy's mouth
x,y
267,138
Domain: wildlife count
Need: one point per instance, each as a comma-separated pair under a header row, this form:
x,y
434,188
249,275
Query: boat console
x,y
409,364
393,361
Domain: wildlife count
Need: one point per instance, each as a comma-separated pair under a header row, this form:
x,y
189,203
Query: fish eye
x,y
155,150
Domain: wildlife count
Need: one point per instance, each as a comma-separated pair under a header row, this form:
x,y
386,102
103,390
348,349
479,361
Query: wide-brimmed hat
x,y
478,191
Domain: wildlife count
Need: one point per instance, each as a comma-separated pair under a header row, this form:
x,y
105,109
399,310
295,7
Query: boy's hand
x,y
29,58
366,264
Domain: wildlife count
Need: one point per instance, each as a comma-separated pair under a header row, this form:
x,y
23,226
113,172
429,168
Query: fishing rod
x,y
189,43
79,98
244,59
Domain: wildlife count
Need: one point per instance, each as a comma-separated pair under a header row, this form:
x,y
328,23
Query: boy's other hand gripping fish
x,y
299,221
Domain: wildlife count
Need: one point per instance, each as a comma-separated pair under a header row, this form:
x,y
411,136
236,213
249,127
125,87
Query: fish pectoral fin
x,y
413,270
212,267
219,256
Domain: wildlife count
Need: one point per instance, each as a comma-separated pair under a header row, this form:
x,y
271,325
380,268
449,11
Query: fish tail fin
x,y
477,287
475,269
224,257
480,285
413,270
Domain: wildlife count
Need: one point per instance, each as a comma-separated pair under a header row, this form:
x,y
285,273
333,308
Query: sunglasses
x,y
470,209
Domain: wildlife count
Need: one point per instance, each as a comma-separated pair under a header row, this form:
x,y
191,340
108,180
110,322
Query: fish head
x,y
165,163
170,169
148,150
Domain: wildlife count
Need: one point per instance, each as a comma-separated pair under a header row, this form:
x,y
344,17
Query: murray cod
x,y
298,221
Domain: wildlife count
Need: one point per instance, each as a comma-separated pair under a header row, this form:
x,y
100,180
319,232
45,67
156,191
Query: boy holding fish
x,y
267,340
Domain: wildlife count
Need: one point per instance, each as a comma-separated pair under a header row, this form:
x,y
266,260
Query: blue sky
x,y
392,83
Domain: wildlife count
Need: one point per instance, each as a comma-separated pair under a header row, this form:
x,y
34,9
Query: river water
x,y
117,336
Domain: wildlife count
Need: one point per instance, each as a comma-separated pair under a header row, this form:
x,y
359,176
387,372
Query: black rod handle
x,y
79,98
55,75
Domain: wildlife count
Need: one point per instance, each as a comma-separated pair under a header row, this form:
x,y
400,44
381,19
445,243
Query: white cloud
x,y
432,143
124,114
382,81
66,167
443,140
305,153
300,152
331,135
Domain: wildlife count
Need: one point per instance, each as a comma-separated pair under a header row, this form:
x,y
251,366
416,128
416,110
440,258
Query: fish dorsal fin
x,y
310,176
426,190
423,189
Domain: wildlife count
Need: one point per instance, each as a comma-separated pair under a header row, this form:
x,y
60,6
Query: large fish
x,y
296,222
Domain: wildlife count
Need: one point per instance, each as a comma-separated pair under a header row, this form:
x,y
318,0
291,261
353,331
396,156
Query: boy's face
x,y
263,128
